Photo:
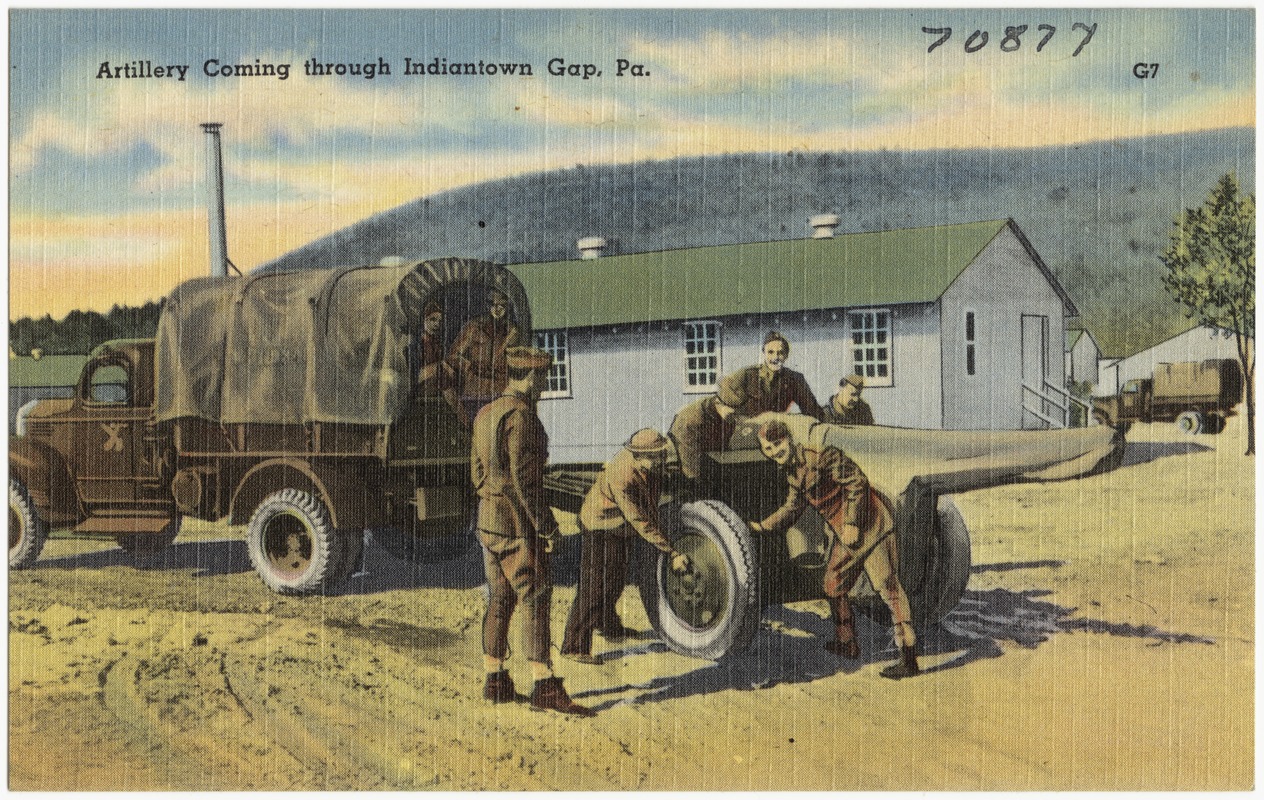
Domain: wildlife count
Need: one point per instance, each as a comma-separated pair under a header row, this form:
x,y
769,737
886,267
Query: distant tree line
x,y
81,331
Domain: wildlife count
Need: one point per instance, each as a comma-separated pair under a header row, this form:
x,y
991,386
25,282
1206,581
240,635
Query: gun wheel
x,y
712,610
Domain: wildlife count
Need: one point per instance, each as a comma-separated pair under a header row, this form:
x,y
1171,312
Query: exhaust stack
x,y
216,225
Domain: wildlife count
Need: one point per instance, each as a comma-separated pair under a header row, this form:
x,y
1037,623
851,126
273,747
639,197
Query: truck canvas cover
x,y
311,345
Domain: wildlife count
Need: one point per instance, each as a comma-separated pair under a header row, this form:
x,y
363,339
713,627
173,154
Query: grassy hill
x,y
1098,213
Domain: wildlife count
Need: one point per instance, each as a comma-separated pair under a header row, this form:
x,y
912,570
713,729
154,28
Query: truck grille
x,y
40,429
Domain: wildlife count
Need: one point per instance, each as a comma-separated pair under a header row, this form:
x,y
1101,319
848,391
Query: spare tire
x,y
714,609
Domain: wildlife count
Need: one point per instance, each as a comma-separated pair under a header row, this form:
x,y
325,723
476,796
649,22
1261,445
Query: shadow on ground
x,y
379,571
1144,452
788,647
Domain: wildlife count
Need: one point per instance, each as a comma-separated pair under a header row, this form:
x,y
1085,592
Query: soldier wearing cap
x,y
516,528
622,504
846,407
862,536
479,353
708,424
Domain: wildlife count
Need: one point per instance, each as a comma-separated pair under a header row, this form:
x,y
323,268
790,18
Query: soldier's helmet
x,y
647,441
855,380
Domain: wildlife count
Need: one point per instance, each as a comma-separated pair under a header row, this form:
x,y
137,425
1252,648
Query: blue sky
x,y
108,173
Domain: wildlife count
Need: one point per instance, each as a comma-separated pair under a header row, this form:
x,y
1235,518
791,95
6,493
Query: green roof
x,y
28,372
913,265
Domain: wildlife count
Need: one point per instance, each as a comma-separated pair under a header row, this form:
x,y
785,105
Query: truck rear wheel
x,y
1190,422
714,609
27,531
293,545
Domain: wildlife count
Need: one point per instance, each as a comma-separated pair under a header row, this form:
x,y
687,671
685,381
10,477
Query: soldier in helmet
x,y
479,353
862,536
846,407
516,528
622,504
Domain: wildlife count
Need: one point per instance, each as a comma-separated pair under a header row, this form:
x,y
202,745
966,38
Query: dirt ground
x,y
1105,641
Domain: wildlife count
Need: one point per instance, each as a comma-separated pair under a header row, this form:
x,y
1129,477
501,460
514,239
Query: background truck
x,y
281,400
1197,396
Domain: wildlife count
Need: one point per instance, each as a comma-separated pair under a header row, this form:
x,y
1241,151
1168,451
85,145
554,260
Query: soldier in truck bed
x,y
435,376
708,423
479,353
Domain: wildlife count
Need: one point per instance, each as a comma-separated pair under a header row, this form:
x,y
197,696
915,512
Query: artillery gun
x,y
714,610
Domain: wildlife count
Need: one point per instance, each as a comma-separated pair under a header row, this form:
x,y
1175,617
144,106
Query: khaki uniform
x,y
434,377
858,414
836,487
756,389
622,504
479,356
698,429
509,451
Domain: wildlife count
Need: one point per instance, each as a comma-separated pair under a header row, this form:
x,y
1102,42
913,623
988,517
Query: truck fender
x,y
48,480
345,497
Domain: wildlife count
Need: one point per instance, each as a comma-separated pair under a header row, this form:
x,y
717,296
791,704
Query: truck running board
x,y
116,525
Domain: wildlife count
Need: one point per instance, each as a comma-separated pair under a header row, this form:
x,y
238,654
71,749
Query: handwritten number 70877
x,y
1013,38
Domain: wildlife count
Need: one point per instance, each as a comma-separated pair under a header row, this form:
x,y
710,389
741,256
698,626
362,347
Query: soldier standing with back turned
x,y
516,527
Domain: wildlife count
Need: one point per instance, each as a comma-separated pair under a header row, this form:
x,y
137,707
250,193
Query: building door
x,y
1035,345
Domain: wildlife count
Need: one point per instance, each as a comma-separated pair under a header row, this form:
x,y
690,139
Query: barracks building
x,y
953,327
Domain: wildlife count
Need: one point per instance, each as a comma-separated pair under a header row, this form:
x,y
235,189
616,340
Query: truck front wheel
x,y
292,543
27,531
1190,422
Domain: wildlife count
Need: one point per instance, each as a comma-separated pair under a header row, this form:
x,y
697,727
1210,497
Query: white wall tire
x,y
714,611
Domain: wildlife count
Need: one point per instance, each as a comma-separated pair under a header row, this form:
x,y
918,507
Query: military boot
x,y
845,645
906,667
549,695
499,688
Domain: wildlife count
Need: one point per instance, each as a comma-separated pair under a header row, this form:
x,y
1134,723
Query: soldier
x,y
516,528
846,407
861,528
708,423
621,504
435,376
479,353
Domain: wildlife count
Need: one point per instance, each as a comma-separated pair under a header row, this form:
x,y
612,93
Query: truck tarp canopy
x,y
311,345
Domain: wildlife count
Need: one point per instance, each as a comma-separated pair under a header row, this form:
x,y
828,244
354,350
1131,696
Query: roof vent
x,y
591,247
823,225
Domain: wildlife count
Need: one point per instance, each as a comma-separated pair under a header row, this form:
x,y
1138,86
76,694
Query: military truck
x,y
714,610
1197,396
283,401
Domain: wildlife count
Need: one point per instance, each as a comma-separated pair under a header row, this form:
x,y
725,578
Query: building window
x,y
702,356
969,342
871,345
554,343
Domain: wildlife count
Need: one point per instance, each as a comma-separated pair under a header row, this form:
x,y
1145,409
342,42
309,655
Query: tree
x,y
1211,273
